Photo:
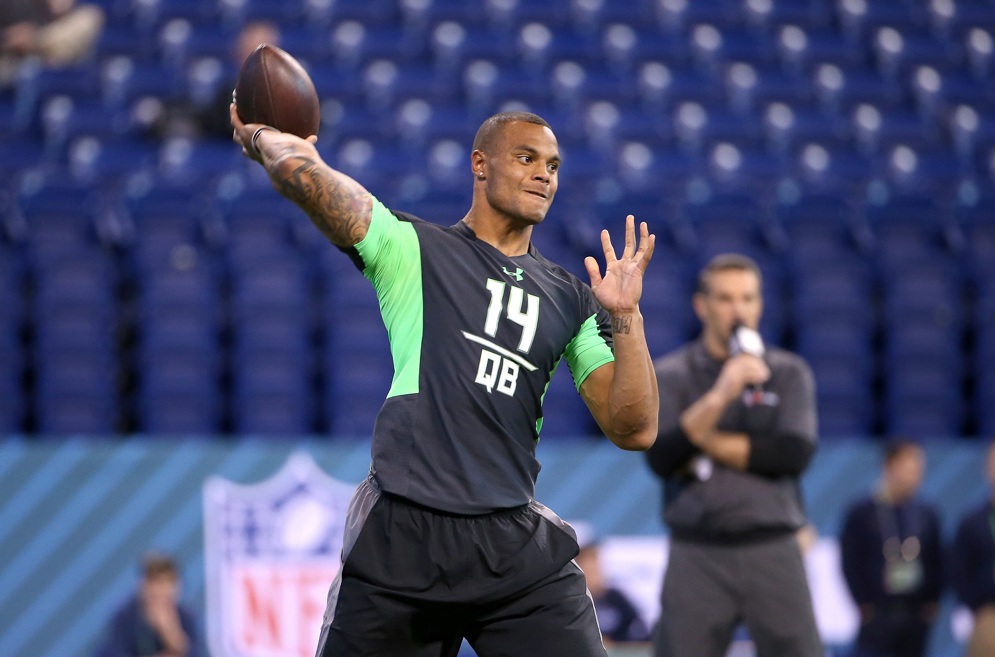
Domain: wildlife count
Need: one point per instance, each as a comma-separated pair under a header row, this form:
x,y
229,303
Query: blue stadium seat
x,y
661,85
980,54
909,227
167,227
711,46
844,396
192,411
841,91
91,412
876,130
973,208
898,52
860,19
925,294
626,46
572,84
939,92
724,222
771,16
787,127
750,88
12,318
666,303
803,49
973,135
835,292
923,401
92,159
22,152
12,394
983,366
681,16
75,389
60,215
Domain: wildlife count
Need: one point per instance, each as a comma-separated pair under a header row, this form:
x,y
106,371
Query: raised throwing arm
x,y
338,205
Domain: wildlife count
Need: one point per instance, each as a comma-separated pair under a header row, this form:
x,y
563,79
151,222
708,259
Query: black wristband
x,y
255,135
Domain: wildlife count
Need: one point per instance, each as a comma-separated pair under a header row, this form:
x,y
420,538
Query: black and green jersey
x,y
475,336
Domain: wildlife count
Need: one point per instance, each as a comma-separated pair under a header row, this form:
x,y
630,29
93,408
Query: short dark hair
x,y
897,445
155,564
727,262
490,127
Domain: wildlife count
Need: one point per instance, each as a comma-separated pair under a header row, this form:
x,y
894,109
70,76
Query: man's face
x,y
160,588
732,295
521,171
905,471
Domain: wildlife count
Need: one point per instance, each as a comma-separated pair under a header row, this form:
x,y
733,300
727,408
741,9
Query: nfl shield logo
x,y
271,551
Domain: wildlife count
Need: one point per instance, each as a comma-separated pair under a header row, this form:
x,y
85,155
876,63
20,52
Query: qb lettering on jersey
x,y
498,368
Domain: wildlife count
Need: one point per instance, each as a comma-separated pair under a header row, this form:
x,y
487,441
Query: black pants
x,y
896,631
416,582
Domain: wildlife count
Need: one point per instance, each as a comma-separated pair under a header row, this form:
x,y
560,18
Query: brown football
x,y
274,89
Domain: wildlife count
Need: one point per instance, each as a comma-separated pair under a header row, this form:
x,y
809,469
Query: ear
x,y
478,163
698,303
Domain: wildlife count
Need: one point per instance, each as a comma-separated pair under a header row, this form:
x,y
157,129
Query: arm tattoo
x,y
338,206
622,324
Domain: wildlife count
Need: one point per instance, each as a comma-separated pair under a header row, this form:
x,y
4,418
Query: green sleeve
x,y
392,262
588,351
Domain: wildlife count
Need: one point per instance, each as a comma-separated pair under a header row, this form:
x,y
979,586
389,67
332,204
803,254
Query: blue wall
x,y
76,515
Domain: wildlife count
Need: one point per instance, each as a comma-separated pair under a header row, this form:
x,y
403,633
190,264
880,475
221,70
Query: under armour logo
x,y
517,274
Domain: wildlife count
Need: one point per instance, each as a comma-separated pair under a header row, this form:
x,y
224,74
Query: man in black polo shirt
x,y
444,540
735,433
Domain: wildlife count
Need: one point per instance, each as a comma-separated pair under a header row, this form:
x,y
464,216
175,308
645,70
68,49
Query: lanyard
x,y
893,546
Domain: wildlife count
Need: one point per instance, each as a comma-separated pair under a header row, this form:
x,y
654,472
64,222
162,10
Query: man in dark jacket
x,y
153,622
972,566
737,428
892,558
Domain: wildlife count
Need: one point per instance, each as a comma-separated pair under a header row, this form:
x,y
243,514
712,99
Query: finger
x,y
630,237
647,244
593,271
606,246
236,120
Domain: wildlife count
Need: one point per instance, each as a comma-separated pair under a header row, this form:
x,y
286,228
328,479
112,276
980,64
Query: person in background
x,y
737,429
892,558
619,619
58,32
213,118
972,567
153,622
204,115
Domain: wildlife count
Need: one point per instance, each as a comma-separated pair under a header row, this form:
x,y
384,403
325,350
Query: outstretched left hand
x,y
619,290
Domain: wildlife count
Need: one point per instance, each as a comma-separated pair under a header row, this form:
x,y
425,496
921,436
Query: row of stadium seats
x,y
232,313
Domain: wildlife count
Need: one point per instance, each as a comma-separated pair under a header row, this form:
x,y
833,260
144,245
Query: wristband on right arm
x,y
255,136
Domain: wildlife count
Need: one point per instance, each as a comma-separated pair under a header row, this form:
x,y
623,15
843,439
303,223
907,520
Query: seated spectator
x,y
153,622
209,118
58,32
